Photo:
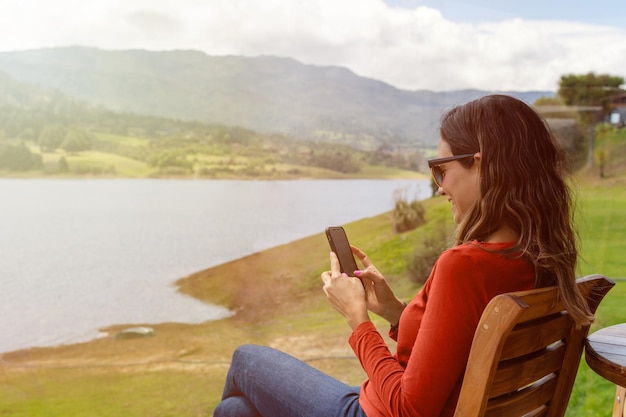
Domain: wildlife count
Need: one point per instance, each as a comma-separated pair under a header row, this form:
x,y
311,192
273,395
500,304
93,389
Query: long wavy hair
x,y
522,185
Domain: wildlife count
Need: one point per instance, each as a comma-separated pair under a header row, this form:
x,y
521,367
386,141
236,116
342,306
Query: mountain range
x,y
264,93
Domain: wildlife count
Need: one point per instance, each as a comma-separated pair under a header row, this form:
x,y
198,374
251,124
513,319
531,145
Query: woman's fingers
x,y
361,255
369,271
326,277
335,268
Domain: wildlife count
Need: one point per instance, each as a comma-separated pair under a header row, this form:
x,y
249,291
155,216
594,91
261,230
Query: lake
x,y
80,255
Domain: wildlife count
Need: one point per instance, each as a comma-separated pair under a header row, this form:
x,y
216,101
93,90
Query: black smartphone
x,y
339,244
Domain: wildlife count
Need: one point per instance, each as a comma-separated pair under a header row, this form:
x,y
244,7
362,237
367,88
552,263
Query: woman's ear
x,y
477,156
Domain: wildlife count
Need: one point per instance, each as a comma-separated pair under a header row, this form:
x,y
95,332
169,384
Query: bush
x,y
75,141
330,158
51,137
19,158
174,160
62,165
407,216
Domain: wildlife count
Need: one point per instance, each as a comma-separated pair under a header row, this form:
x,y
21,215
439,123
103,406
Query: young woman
x,y
502,172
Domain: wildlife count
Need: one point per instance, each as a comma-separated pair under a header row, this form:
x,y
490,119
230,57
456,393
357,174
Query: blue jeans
x,y
264,382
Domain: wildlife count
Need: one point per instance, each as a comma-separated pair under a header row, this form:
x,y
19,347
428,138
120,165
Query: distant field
x,y
123,156
94,163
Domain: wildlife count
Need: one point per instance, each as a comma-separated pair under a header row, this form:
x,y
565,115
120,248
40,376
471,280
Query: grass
x,y
80,393
279,303
108,164
603,230
602,223
93,163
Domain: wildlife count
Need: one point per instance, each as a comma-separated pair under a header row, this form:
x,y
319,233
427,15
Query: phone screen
x,y
339,244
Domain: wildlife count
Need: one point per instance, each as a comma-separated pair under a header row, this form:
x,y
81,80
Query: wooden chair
x,y
525,354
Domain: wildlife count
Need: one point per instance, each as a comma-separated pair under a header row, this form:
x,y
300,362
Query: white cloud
x,y
410,48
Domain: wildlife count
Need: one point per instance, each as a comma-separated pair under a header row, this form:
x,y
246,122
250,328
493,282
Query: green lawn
x,y
603,230
603,234
107,163
93,163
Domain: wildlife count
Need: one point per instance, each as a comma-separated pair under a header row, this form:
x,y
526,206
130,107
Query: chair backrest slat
x,y
525,400
515,374
530,337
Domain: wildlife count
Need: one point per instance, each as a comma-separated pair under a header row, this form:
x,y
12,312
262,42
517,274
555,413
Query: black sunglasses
x,y
435,165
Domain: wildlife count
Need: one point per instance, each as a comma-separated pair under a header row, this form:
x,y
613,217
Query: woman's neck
x,y
503,234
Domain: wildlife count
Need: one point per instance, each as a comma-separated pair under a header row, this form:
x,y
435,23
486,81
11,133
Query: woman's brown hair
x,y
522,185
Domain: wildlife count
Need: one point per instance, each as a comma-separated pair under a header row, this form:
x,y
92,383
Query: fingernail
x,y
357,273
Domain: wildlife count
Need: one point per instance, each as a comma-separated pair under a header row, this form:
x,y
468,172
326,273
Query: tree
x,y
51,138
170,158
76,140
18,158
590,90
27,134
333,158
62,165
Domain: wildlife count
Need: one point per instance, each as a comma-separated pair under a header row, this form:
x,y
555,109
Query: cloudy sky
x,y
411,44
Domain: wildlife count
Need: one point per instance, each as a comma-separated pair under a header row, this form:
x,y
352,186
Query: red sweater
x,y
435,333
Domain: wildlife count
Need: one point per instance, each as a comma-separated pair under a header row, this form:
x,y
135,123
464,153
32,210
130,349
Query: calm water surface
x,y
79,255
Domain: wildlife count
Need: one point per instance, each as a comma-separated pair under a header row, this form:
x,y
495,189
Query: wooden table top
x,y
605,353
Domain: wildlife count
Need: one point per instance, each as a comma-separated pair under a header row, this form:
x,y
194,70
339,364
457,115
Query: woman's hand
x,y
378,295
346,294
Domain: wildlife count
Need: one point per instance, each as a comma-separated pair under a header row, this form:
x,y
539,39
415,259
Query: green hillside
x,y
44,133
